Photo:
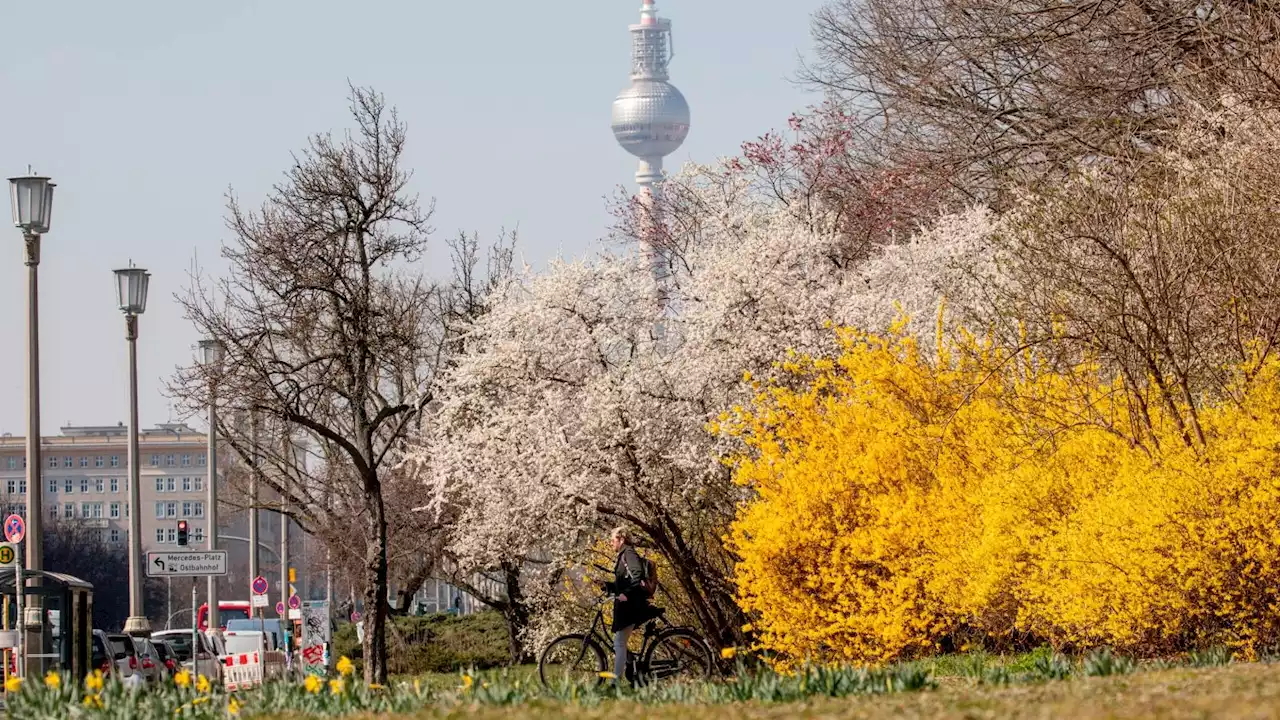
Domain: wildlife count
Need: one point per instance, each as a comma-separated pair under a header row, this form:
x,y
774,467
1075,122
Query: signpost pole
x,y
195,630
18,663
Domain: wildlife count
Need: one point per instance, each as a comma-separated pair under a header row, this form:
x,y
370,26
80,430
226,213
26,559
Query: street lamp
x,y
31,197
211,354
131,293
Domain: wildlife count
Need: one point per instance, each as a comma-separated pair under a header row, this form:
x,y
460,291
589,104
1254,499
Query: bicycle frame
x,y
596,632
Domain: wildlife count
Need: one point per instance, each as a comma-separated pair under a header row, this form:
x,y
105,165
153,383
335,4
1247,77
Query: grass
x,y
437,643
1241,690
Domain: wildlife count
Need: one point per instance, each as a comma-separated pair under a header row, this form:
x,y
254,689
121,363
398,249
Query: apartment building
x,y
85,479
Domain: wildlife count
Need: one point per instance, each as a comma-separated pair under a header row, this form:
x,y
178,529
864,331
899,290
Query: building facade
x,y
85,479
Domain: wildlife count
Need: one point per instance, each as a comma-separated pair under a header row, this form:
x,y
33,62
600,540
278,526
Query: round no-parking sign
x,y
259,586
15,528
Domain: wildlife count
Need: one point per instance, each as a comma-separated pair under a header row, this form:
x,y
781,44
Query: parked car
x,y
149,665
125,655
103,654
206,656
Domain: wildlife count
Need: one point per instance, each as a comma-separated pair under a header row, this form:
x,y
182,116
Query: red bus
x,y
227,610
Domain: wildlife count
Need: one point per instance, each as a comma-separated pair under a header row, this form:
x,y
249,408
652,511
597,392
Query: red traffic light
x,y
182,524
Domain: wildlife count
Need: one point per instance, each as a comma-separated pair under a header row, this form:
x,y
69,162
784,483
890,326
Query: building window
x,y
84,485
186,484
169,460
197,534
53,486
115,535
115,461
172,484
53,511
171,509
84,510
199,509
22,486
68,485
84,461
115,484
159,535
159,484
13,486
97,461
115,511
155,461
186,461
126,509
53,461
199,484
173,535
13,463
98,484
68,461
186,509
69,510
97,511
159,509
200,460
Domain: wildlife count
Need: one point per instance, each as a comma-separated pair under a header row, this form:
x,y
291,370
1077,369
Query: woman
x,y
631,606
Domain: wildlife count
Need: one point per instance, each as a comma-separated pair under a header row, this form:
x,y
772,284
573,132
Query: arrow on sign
x,y
160,564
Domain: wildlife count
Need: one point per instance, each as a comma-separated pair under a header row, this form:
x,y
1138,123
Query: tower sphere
x,y
650,118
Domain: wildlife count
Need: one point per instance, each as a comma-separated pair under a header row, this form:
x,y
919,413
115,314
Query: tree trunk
x,y
375,594
516,613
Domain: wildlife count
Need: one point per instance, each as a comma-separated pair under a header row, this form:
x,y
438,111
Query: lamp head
x,y
131,289
32,199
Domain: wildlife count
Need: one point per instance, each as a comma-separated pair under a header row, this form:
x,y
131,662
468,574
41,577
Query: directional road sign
x,y
259,585
15,528
187,564
8,555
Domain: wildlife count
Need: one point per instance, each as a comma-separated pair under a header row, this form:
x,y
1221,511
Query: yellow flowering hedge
x,y
903,499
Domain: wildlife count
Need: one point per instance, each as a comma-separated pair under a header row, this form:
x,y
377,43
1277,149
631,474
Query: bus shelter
x,y
66,627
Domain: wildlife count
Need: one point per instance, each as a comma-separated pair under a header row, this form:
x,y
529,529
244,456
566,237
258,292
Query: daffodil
x,y
376,686
728,653
335,687
608,675
467,682
92,701
233,707
345,666
182,679
203,685
52,680
94,682
313,683
13,684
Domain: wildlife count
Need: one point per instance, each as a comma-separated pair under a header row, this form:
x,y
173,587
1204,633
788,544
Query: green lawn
x,y
1243,690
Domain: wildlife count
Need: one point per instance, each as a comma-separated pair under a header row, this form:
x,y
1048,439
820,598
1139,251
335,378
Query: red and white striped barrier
x,y
241,672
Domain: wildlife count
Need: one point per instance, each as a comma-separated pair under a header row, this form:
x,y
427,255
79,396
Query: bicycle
x,y
580,658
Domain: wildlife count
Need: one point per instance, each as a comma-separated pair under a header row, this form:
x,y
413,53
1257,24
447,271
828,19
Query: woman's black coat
x,y
628,576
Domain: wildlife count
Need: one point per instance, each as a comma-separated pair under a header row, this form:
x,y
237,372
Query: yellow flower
x,y
182,679
376,686
233,707
748,628
13,684
313,683
94,700
345,666
94,682
728,653
467,682
608,676
52,680
202,684
417,687
335,687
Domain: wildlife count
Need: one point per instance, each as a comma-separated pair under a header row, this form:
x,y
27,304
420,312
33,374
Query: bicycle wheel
x,y
678,653
572,660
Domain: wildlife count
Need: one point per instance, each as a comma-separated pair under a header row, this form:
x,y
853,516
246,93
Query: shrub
x,y
901,498
436,643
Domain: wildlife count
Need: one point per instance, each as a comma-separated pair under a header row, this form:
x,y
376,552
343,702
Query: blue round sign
x,y
259,585
15,528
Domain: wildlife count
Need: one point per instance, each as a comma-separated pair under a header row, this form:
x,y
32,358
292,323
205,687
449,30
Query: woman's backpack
x,y
650,580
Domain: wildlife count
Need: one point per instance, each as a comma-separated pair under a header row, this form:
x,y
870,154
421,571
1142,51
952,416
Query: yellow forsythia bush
x,y
901,498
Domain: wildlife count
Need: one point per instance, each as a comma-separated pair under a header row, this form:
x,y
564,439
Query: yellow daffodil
x,y
233,707
608,676
203,685
94,682
376,686
728,653
52,680
335,687
182,679
13,684
313,683
345,666
92,701
417,686
467,682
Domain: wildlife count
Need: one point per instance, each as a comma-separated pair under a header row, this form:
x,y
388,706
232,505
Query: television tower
x,y
651,117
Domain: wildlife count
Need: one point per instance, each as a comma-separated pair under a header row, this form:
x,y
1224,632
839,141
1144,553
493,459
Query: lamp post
x,y
211,354
131,292
31,196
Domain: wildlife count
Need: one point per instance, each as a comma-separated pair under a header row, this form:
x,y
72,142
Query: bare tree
x,y
329,337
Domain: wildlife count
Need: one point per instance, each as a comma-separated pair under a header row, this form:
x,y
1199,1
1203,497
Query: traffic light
x,y
182,532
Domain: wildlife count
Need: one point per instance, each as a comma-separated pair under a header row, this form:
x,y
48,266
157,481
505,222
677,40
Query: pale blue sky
x,y
145,111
